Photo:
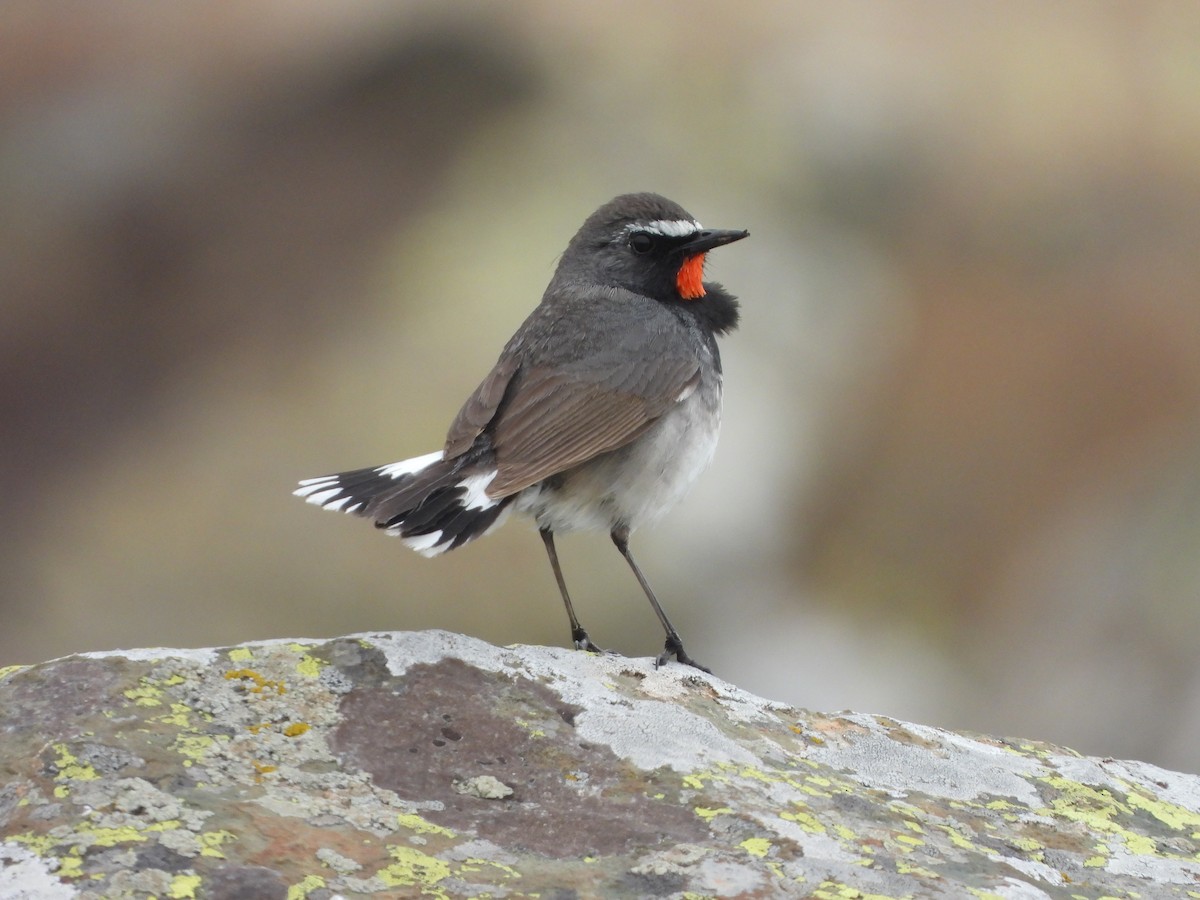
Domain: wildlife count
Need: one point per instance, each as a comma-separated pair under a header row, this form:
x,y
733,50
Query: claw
x,y
580,639
674,647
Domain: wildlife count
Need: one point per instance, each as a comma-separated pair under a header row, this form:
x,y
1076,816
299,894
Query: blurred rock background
x,y
959,480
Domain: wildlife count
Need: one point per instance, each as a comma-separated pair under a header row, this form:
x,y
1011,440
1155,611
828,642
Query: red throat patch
x,y
690,280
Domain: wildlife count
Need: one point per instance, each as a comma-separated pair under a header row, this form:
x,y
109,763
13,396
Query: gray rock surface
x,y
431,764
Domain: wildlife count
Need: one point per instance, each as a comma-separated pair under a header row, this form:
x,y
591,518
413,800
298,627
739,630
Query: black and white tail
x,y
431,504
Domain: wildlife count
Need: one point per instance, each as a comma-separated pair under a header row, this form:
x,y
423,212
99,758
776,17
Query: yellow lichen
x,y
147,693
835,890
305,887
69,767
476,864
905,868
192,746
805,820
958,839
1028,845
110,837
845,832
757,775
183,886
308,666
759,847
178,716
211,841
70,866
1097,809
412,868
418,825
41,844
1174,817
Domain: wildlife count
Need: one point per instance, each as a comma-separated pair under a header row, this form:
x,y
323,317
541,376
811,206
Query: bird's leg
x,y
674,644
579,636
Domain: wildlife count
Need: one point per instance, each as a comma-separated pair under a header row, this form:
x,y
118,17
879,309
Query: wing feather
x,y
480,408
554,421
541,416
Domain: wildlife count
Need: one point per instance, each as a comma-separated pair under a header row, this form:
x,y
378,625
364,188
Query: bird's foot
x,y
580,639
674,647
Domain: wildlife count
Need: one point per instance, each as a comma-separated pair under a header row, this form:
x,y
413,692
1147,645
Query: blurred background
x,y
959,477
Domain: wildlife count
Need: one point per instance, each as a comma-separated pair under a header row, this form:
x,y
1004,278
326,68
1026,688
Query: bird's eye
x,y
640,242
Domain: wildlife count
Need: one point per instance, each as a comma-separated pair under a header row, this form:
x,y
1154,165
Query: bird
x,y
600,413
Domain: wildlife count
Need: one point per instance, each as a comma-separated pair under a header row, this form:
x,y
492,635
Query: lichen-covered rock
x,y
398,765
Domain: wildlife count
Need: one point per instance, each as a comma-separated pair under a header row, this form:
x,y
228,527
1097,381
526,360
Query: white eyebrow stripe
x,y
676,228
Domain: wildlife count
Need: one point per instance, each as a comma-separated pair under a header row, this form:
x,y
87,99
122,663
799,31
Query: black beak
x,y
705,240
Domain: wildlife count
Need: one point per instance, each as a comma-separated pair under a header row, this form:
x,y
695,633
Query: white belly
x,y
637,483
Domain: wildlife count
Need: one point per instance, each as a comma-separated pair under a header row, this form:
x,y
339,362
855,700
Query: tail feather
x,y
427,514
431,504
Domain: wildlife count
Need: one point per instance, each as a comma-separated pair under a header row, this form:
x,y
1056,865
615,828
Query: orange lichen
x,y
260,683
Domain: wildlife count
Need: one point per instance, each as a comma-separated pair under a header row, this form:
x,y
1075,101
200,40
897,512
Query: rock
x,y
431,764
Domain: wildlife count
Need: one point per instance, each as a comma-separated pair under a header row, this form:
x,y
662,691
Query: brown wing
x,y
585,374
479,409
544,420
556,420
